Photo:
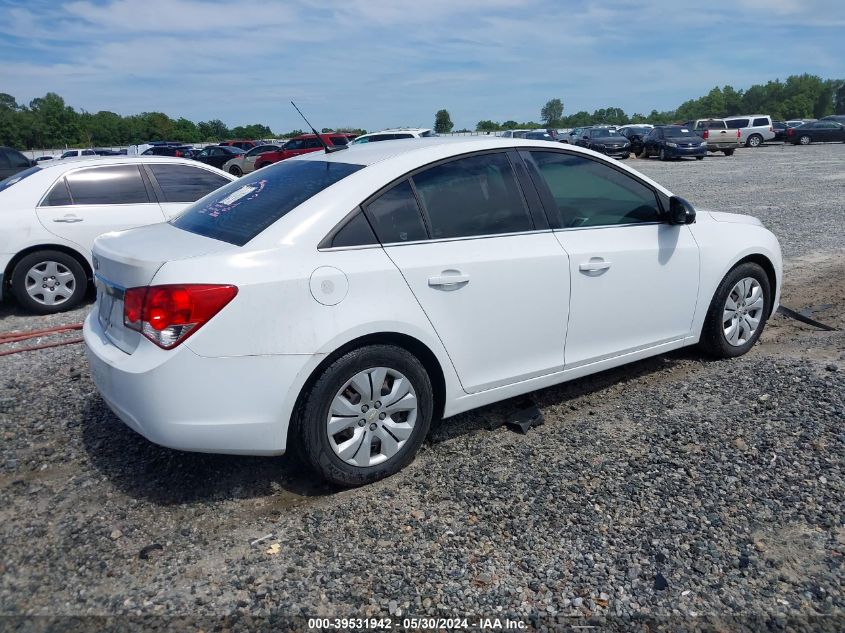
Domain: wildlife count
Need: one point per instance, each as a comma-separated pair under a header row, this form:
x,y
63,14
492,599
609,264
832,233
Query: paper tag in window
x,y
236,195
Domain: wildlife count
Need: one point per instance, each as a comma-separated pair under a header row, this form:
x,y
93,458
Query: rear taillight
x,y
789,131
771,129
706,134
738,135
178,154
167,315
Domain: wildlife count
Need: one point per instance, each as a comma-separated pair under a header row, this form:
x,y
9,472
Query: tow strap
x,y
792,314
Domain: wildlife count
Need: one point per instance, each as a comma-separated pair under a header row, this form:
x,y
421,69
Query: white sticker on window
x,y
684,130
238,194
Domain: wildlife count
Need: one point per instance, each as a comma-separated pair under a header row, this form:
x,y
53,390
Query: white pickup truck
x,y
715,131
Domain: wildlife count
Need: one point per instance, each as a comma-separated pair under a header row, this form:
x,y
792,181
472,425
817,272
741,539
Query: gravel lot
x,y
672,488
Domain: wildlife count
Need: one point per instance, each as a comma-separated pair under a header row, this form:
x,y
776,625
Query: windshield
x,y
239,211
16,178
678,132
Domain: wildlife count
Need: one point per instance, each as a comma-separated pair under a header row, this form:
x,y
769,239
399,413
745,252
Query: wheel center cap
x,y
372,414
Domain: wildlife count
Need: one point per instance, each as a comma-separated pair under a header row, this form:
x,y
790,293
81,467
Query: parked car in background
x,y
606,141
514,133
715,131
824,131
244,145
540,135
838,118
178,151
12,162
245,163
635,135
302,144
754,129
53,212
338,303
673,141
73,153
394,134
797,122
217,155
43,158
780,128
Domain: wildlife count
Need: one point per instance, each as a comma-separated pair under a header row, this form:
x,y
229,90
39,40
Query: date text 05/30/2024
x,y
413,624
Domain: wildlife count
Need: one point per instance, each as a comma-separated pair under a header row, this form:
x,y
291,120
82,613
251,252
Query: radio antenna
x,y
329,148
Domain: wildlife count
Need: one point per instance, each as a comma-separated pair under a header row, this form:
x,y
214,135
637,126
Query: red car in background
x,y
302,144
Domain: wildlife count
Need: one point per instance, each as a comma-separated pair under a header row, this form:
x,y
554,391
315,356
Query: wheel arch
x,y
79,257
412,345
766,264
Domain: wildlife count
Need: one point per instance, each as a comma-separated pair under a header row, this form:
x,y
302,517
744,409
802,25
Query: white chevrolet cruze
x,y
340,302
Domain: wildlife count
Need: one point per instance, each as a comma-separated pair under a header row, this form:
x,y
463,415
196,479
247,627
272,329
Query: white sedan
x,y
342,301
53,212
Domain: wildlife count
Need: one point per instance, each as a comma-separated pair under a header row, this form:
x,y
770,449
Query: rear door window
x,y
16,159
182,183
116,184
473,196
396,216
242,209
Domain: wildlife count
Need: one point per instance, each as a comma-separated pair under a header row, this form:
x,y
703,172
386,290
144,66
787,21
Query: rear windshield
x,y
16,178
242,209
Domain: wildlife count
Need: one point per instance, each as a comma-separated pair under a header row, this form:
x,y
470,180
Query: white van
x,y
753,128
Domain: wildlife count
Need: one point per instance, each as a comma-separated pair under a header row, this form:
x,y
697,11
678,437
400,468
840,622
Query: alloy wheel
x,y
372,416
743,311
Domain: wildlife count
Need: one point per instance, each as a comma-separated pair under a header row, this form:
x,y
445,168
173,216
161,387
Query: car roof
x,y
372,153
92,161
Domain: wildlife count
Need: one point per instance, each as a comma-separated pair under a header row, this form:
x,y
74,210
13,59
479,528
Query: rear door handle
x,y
449,280
68,219
594,265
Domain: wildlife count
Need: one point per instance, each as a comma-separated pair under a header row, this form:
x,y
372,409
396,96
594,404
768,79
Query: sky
x,y
376,64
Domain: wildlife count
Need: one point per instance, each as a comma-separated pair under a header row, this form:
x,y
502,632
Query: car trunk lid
x,y
132,258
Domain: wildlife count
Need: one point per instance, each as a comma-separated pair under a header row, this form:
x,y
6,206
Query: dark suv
x,y
12,161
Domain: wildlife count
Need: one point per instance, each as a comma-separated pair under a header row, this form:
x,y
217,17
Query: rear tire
x,y
728,152
755,140
236,171
699,158
336,391
47,282
730,306
663,155
805,140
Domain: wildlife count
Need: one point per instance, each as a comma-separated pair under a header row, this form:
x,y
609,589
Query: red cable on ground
x,y
32,348
20,335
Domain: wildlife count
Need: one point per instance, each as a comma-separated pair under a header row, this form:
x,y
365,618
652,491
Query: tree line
x,y
797,97
49,122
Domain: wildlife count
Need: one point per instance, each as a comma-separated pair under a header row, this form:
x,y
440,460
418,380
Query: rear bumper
x,y
193,403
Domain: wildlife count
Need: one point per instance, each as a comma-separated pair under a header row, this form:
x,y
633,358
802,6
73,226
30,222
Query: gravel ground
x,y
672,488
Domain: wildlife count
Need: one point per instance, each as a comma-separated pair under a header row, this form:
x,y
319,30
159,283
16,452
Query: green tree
x,y
552,113
839,99
488,126
443,122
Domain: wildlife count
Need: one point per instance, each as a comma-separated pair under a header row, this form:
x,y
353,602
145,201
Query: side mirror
x,y
680,211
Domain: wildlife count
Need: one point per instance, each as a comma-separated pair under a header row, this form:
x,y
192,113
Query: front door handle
x,y
68,219
449,280
594,265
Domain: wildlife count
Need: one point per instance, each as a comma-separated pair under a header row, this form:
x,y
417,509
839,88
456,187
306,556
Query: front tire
x,y
236,171
663,155
699,158
805,140
366,416
46,282
738,312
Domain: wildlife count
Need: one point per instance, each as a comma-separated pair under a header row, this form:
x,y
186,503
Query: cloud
x,y
376,63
